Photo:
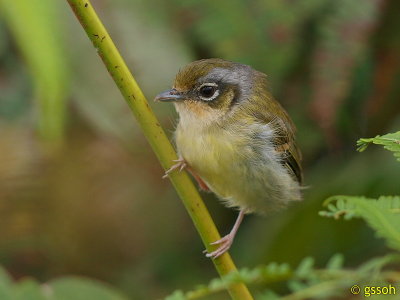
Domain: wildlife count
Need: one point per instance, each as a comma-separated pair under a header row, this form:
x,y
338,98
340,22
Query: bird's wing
x,y
285,144
284,135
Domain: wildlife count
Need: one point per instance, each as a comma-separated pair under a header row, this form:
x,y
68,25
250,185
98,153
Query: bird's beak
x,y
170,96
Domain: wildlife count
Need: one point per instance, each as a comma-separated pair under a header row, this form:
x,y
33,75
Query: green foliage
x,y
270,273
82,289
263,274
67,288
390,141
383,214
36,29
304,282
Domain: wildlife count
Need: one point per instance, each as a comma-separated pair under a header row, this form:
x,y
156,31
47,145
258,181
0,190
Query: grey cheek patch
x,y
240,76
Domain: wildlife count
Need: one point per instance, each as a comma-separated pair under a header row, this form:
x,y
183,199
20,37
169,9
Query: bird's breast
x,y
219,155
207,152
243,171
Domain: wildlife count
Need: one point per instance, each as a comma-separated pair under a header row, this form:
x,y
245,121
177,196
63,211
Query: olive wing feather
x,y
284,135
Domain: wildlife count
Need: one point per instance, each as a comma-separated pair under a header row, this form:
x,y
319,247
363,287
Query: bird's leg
x,y
182,164
227,240
203,186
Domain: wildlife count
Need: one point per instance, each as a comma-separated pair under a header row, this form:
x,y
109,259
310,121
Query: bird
x,y
235,139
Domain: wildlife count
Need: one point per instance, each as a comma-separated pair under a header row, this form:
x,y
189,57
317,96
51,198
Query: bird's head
x,y
208,89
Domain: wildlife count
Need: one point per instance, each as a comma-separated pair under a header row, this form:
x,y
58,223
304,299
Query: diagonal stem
x,y
133,95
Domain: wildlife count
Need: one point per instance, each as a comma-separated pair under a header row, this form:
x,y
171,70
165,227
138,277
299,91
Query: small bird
x,y
235,139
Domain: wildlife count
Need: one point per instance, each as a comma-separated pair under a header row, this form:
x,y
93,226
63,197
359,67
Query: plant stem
x,y
151,128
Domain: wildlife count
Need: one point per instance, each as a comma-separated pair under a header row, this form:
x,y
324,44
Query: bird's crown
x,y
189,75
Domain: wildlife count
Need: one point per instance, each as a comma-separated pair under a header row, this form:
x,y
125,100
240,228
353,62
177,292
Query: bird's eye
x,y
208,92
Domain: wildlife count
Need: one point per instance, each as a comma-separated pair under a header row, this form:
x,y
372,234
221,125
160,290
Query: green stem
x,y
155,135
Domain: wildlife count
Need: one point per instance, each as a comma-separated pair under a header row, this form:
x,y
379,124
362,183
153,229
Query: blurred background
x,y
80,189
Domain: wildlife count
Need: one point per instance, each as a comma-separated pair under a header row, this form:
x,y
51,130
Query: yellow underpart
x,y
240,172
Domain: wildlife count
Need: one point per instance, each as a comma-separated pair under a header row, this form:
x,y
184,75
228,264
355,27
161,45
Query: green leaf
x,y
268,295
29,289
177,295
390,141
376,264
335,262
305,267
5,279
296,285
382,214
66,288
5,284
386,224
36,29
77,288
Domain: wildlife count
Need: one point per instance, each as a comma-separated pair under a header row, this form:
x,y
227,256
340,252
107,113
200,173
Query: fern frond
x,y
335,262
270,273
390,141
305,282
375,265
381,214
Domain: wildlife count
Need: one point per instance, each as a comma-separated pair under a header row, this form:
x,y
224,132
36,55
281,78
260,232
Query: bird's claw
x,y
225,243
180,165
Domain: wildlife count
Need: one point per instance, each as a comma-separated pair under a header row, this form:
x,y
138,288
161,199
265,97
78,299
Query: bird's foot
x,y
227,240
180,165
225,243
